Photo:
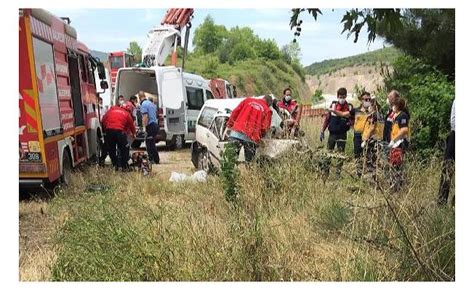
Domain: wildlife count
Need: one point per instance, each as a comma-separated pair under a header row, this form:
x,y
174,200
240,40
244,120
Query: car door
x,y
214,144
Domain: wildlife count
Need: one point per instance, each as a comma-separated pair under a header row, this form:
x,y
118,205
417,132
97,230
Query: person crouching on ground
x,y
118,123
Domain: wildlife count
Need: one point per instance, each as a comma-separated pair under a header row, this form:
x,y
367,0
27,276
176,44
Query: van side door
x,y
173,103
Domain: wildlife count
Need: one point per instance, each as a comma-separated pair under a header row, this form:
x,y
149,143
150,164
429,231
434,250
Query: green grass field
x,y
286,225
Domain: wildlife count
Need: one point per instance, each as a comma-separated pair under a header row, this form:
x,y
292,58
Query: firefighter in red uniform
x,y
292,107
248,123
118,123
131,106
338,121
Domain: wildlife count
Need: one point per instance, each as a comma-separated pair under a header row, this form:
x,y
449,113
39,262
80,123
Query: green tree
x,y
136,51
268,49
427,34
429,96
317,96
239,44
210,68
208,37
291,52
242,51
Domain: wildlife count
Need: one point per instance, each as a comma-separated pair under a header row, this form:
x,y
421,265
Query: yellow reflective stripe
x,y
379,126
34,91
359,123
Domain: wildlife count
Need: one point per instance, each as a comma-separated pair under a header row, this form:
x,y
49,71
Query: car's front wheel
x,y
204,162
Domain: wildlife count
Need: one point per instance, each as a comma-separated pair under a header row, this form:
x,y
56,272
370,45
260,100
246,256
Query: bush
x,y
318,96
334,216
242,51
429,97
268,49
210,69
299,70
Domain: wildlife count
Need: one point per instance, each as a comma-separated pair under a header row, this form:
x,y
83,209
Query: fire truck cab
x,y
59,122
117,60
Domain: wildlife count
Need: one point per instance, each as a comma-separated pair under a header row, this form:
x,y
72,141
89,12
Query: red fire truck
x,y
222,89
59,124
118,60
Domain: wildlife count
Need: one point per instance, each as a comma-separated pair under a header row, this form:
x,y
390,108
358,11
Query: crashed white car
x,y
212,135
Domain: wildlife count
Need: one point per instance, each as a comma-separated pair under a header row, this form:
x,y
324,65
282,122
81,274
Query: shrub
x,y
429,97
210,69
318,96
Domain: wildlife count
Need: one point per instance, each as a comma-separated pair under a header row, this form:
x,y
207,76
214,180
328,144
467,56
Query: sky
x,y
112,29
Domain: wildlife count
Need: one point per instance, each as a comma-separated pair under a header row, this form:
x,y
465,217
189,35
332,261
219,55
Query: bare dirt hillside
x,y
365,76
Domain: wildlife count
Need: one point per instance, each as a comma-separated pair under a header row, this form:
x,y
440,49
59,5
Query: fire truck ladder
x,y
164,38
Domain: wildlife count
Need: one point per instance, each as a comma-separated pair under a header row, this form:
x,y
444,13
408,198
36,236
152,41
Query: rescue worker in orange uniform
x,y
361,116
372,134
399,140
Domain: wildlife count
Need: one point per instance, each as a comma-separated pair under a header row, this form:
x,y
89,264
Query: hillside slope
x,y
363,76
362,70
253,76
385,56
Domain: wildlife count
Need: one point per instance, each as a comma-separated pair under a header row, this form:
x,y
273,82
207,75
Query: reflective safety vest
x,y
360,121
377,129
379,125
396,127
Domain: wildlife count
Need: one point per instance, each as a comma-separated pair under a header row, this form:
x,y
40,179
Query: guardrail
x,y
307,111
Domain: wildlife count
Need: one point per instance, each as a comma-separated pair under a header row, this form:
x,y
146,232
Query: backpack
x,y
338,125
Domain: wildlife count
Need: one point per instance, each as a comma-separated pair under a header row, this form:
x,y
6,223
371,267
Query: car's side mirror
x,y
104,85
101,71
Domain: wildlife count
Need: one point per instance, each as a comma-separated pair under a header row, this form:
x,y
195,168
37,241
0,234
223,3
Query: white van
x,y
180,98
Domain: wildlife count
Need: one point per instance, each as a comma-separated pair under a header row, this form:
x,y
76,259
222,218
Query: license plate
x,y
33,156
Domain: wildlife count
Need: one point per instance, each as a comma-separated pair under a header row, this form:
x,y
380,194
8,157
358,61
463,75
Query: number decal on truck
x,y
33,156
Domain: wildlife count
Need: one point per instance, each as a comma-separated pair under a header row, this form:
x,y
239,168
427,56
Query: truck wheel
x,y
195,150
98,152
170,144
136,144
179,141
176,142
67,170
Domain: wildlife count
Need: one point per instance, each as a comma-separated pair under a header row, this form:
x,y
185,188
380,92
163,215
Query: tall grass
x,y
285,225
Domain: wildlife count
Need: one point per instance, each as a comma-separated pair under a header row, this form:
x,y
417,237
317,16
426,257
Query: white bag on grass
x,y
199,176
